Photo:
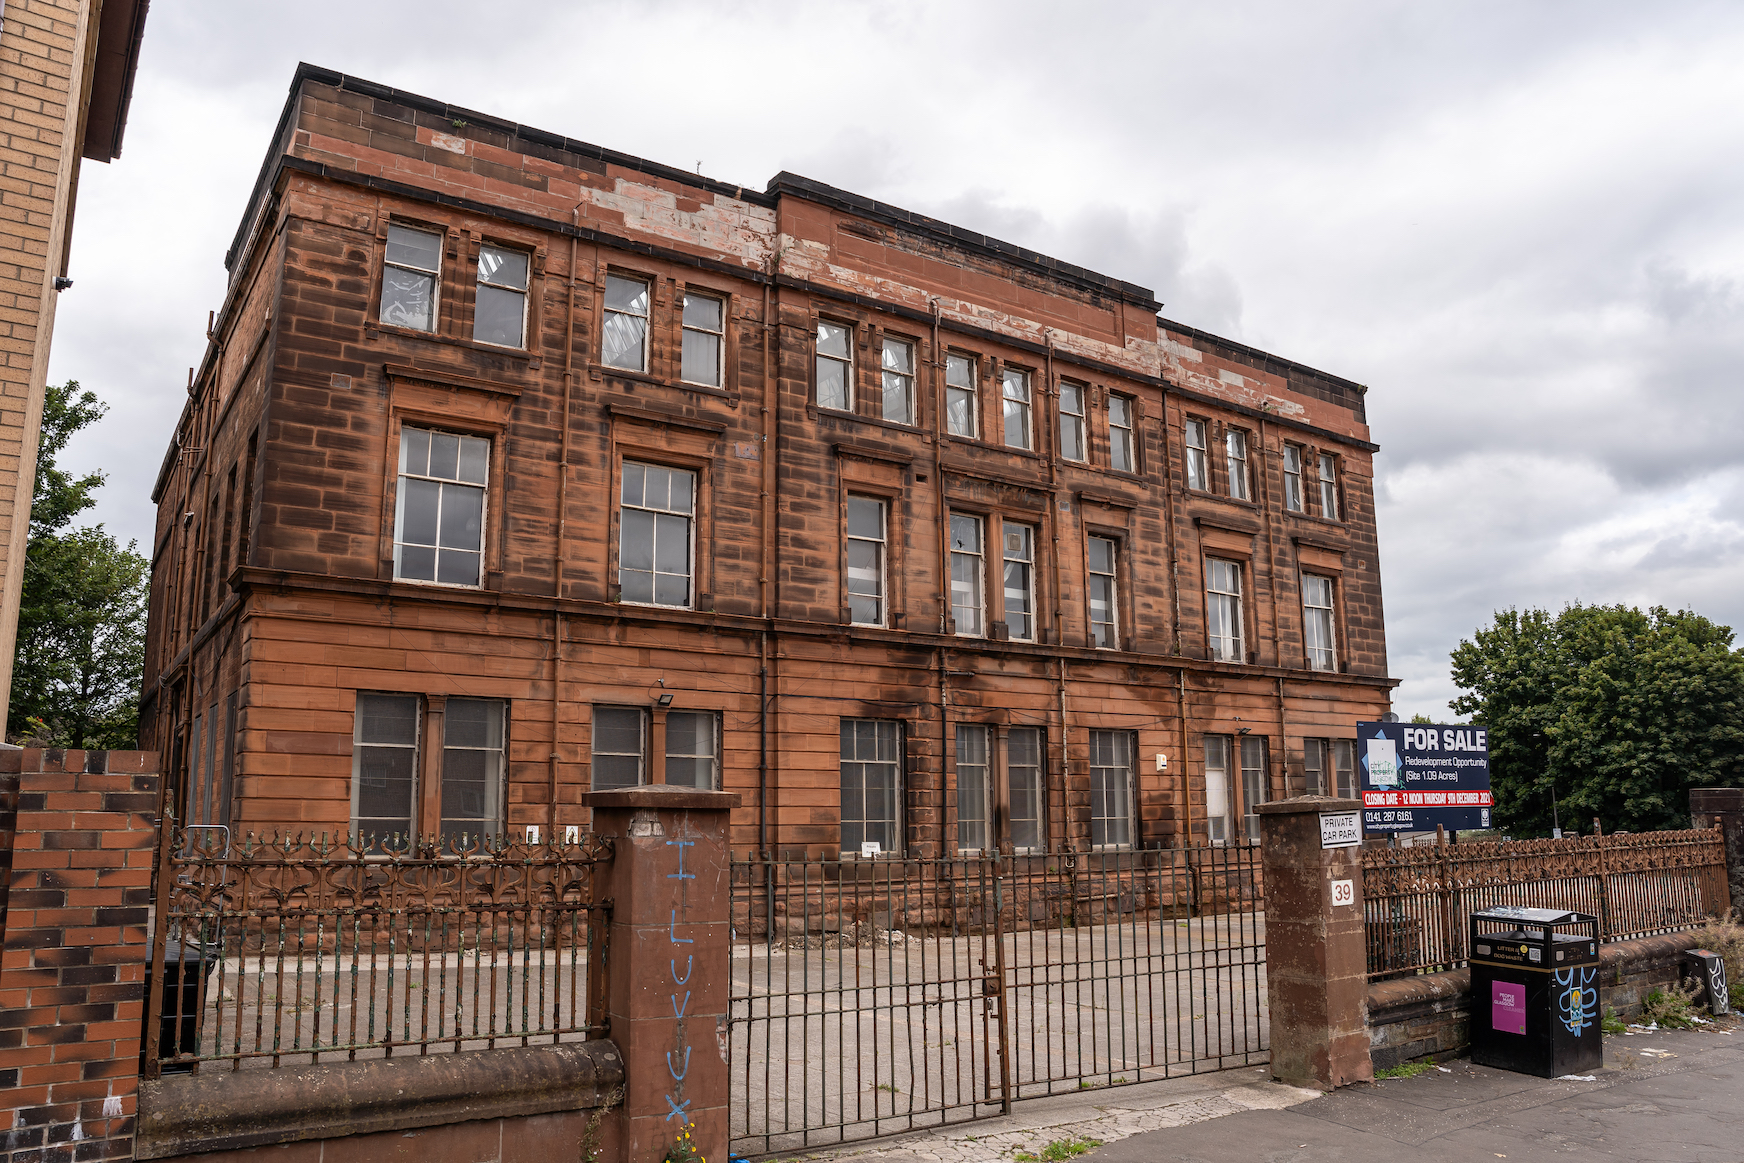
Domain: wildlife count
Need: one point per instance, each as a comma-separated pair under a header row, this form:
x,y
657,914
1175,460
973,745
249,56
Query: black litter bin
x,y
1535,991
187,965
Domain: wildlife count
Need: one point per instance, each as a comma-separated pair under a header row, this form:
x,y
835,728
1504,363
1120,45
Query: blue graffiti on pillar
x,y
1579,1001
677,1104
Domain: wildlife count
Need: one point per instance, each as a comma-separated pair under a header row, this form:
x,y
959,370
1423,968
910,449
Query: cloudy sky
x,y
1519,223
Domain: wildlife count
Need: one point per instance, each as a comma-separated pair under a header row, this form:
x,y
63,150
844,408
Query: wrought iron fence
x,y
1416,901
283,951
877,996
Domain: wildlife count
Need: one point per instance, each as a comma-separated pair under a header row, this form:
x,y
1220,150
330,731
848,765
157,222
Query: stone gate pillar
x,y
1316,961
667,962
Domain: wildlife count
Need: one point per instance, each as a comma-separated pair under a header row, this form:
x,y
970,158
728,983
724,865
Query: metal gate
x,y
877,996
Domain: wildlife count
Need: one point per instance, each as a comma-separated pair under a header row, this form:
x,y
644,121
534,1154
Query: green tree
x,y
1614,712
81,618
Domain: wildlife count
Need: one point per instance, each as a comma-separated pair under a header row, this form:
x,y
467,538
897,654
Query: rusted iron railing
x,y
882,995
285,950
1417,900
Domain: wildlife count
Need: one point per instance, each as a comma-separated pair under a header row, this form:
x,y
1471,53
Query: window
x,y
1317,621
960,412
1292,478
414,260
1328,768
967,607
1017,417
1019,581
1023,768
624,338
499,315
973,810
1120,446
704,327
1104,629
866,540
1218,823
654,534
1111,788
693,749
384,764
898,381
835,366
1071,422
1197,477
1328,486
1223,609
1253,783
472,767
619,743
1235,457
439,507
871,784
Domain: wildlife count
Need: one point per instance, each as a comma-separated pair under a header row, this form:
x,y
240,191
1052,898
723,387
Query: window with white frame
x,y
974,809
1072,422
1019,541
1017,408
1328,768
1328,486
704,328
1235,460
871,785
1111,774
410,278
1223,609
384,765
472,767
1198,476
1254,783
439,507
693,748
624,336
654,534
898,361
835,366
1219,822
1122,455
1024,770
1317,622
968,568
1104,593
961,418
620,747
499,314
866,560
1293,478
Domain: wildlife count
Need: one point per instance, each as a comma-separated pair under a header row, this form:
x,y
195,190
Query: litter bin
x,y
187,965
1535,991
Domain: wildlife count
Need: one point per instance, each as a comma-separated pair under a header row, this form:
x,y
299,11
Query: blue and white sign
x,y
1415,776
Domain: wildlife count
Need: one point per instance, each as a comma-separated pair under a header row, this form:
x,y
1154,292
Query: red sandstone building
x,y
517,467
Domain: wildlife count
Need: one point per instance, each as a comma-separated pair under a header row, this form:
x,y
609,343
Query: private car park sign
x,y
1415,776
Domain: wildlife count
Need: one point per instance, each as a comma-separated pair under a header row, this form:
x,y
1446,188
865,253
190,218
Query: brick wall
x,y
73,966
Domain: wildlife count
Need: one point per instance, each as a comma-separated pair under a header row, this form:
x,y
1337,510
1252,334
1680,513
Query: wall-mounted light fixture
x,y
665,699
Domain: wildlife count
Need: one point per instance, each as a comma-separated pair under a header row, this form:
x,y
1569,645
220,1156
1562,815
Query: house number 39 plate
x,y
1343,893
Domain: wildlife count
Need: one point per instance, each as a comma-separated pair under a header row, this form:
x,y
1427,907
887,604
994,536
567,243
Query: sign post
x,y
1417,776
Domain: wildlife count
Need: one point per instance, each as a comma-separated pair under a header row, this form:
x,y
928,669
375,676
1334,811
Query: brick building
x,y
66,80
518,467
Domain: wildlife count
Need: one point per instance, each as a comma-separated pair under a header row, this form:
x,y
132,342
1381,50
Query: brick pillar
x,y
1316,962
667,962
1724,806
72,970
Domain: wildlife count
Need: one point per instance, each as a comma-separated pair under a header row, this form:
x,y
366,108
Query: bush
x,y
1725,936
1670,1007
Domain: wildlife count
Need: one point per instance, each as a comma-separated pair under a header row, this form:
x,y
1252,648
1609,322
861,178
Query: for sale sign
x,y
1415,776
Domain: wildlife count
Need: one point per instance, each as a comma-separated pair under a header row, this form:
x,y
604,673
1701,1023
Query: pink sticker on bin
x,y
1508,1007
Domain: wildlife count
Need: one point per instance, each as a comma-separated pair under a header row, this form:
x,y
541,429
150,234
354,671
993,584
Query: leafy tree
x,y
81,618
1614,712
